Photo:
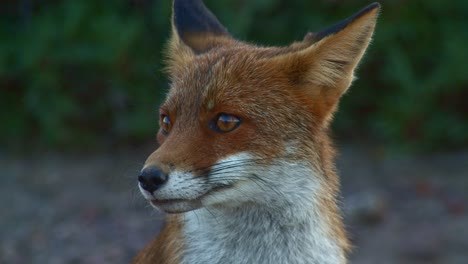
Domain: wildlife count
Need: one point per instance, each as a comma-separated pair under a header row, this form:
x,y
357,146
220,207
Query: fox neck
x,y
302,226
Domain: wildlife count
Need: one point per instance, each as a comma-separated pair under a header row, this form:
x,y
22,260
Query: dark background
x,y
80,84
81,73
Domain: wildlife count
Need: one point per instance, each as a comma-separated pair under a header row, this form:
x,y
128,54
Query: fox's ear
x,y
334,52
195,30
323,67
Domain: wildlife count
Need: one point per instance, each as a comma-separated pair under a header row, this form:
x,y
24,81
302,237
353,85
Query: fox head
x,y
245,124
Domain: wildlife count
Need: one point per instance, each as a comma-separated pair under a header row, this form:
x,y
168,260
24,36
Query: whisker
x,y
224,164
227,164
267,184
196,215
211,213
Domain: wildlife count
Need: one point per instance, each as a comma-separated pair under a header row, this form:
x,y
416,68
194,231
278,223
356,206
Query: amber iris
x,y
166,124
225,123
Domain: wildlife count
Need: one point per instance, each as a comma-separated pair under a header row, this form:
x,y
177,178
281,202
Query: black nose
x,y
151,178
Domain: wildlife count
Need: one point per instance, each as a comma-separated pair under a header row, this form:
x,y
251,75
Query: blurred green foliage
x,y
88,73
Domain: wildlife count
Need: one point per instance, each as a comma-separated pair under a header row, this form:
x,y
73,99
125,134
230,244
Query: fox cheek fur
x,y
244,142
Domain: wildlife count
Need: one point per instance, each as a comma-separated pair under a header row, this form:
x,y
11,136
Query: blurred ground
x,y
86,208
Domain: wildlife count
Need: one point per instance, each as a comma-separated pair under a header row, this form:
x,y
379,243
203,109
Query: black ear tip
x,y
192,16
375,5
365,10
341,25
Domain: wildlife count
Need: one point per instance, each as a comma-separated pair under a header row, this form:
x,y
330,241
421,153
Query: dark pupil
x,y
227,122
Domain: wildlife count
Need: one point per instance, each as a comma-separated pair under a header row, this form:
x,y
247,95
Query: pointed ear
x,y
195,30
335,52
325,68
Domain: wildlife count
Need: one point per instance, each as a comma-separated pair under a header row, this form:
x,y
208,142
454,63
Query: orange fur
x,y
166,248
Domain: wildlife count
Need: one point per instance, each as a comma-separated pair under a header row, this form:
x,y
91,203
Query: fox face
x,y
244,124
222,131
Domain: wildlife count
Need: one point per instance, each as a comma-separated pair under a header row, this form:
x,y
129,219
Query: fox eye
x,y
166,124
225,123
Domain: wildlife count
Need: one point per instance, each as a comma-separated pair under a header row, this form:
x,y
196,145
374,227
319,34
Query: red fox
x,y
245,167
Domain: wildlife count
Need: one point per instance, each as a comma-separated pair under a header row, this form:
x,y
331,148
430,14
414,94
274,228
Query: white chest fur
x,y
253,234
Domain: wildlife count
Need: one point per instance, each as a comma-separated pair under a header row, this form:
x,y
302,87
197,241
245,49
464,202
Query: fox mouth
x,y
174,206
